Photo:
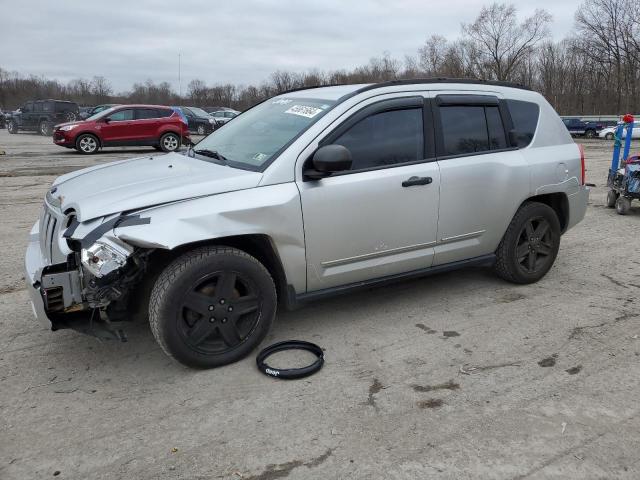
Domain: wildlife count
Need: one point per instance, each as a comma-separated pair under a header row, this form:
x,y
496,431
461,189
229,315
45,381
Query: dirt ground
x,y
455,376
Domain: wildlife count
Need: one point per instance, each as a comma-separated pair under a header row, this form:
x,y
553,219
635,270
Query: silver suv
x,y
314,192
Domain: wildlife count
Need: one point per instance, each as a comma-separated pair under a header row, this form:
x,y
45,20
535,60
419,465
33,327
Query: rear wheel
x,y
530,245
609,136
590,133
87,144
612,196
623,205
169,142
12,127
212,306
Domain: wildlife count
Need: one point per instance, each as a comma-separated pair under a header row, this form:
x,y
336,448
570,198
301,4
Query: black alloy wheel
x,y
219,312
212,306
535,245
530,245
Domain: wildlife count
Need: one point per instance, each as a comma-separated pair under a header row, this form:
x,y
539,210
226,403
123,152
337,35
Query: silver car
x,y
311,193
224,116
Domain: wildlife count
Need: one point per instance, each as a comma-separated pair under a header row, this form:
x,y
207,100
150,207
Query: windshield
x,y
101,114
254,137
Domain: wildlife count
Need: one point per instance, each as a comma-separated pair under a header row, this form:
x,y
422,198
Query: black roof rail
x,y
411,81
472,81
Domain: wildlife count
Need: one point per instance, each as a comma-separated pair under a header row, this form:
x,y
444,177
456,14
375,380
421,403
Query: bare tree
x,y
501,41
432,55
101,89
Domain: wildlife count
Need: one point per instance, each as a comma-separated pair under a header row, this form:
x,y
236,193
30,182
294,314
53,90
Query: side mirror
x,y
328,160
106,120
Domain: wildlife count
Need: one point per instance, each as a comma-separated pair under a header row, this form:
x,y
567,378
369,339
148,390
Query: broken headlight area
x,y
105,256
100,305
111,272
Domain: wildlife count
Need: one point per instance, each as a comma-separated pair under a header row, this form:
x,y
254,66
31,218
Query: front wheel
x,y
609,136
12,127
87,144
612,196
201,130
530,245
212,306
169,142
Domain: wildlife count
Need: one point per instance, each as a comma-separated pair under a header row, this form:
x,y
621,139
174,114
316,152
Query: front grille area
x,y
53,299
51,222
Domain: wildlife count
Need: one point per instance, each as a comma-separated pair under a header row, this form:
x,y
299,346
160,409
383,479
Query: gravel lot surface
x,y
455,376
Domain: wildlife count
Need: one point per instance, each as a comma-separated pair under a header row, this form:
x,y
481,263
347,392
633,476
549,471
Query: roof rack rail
x,y
391,83
474,81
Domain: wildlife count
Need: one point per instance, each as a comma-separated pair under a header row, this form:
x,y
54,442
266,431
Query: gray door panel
x,y
478,197
367,225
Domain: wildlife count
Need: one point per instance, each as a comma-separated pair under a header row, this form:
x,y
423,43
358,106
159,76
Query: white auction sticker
x,y
304,111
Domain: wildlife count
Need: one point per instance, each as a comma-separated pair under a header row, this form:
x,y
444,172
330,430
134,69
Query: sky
x,y
238,41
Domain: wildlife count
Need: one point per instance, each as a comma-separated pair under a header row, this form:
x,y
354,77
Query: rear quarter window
x,y
525,120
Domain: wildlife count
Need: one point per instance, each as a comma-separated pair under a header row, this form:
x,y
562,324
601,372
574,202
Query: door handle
x,y
417,181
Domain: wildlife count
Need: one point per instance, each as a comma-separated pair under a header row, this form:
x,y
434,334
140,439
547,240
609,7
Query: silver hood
x,y
144,182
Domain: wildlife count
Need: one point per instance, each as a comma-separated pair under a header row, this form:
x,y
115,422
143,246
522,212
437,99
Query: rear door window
x,y
495,127
464,129
473,128
385,138
146,113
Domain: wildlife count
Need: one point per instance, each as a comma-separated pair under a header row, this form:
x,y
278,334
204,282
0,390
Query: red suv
x,y
125,125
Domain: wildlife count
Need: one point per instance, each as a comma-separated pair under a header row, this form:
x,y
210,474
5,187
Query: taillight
x,y
583,170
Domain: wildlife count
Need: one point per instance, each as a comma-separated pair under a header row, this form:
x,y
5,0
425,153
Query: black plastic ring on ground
x,y
290,373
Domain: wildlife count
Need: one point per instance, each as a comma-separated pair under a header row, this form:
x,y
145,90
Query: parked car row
x,y
609,133
90,129
589,129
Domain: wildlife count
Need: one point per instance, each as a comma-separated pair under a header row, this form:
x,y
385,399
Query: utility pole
x,y
179,75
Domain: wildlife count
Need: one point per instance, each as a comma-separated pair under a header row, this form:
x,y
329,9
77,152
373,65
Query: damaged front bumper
x,y
53,289
78,288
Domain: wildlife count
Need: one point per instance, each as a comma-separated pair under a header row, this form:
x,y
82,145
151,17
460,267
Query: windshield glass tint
x,y
254,137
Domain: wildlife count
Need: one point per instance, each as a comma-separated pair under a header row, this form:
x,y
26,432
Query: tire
x,y
12,127
609,136
201,130
169,142
623,205
530,244
45,129
196,325
612,196
590,134
87,144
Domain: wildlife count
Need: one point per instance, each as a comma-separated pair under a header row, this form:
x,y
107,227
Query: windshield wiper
x,y
211,154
